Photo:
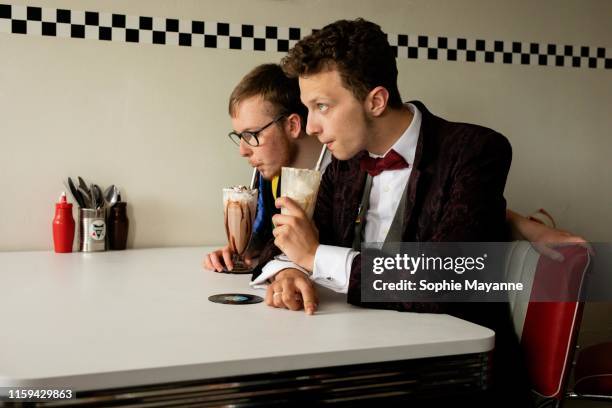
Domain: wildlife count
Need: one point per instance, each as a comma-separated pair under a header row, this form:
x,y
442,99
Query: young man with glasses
x,y
269,121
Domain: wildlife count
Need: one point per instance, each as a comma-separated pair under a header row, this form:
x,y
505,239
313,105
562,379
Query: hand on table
x,y
221,258
291,289
295,234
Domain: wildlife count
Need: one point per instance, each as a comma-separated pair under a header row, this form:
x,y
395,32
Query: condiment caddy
x,y
103,222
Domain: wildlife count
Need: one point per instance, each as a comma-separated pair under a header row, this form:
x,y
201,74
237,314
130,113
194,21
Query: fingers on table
x,y
309,295
277,296
206,262
293,294
210,262
273,294
291,297
284,294
216,261
227,258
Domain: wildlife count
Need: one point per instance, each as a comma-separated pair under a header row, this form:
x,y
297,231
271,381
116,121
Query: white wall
x,y
153,118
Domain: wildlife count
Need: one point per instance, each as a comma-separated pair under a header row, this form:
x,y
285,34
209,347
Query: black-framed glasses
x,y
251,136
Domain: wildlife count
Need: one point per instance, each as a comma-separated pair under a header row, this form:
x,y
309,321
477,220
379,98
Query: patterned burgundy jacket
x,y
455,195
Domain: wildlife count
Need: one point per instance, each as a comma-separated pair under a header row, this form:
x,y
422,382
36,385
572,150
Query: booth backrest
x,y
547,330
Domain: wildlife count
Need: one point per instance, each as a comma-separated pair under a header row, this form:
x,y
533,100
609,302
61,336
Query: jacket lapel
x,y
416,174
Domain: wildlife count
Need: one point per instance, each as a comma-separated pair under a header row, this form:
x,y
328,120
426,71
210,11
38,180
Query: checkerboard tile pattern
x,y
499,52
101,26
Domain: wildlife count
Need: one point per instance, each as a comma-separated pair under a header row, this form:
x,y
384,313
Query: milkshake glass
x,y
302,186
239,209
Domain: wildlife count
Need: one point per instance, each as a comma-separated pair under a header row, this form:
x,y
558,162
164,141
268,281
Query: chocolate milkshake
x,y
239,208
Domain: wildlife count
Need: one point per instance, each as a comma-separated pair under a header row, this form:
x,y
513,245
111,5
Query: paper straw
x,y
318,165
253,177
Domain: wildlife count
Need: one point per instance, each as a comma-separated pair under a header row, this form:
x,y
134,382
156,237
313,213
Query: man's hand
x,y
295,234
221,260
292,290
547,239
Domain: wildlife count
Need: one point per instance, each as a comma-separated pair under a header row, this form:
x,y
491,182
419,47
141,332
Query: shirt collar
x,y
406,145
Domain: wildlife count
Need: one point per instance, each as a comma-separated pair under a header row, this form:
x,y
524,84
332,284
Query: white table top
x,y
88,321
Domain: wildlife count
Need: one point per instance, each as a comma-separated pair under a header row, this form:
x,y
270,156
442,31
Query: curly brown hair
x,y
358,49
270,82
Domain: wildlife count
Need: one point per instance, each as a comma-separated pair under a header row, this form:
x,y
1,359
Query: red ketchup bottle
x,y
63,226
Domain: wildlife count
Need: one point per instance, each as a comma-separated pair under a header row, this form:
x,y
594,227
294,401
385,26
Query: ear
x,y
376,101
294,126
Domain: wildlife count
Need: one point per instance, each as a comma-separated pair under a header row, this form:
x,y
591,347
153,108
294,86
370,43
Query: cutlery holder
x,y
92,230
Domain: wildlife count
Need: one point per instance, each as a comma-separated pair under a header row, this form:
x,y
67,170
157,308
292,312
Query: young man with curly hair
x,y
415,176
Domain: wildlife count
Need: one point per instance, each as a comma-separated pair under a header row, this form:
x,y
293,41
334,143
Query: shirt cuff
x,y
270,270
332,267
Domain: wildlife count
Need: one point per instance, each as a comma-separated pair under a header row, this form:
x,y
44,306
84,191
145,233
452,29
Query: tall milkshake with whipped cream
x,y
239,209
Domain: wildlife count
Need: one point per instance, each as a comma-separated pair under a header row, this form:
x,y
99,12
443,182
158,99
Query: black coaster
x,y
235,299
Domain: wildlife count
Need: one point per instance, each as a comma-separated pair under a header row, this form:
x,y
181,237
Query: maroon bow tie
x,y
391,161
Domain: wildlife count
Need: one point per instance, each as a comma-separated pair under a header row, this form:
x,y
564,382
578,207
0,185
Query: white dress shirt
x,y
332,264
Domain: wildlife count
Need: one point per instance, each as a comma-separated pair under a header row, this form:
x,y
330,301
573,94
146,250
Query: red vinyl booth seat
x,y
548,330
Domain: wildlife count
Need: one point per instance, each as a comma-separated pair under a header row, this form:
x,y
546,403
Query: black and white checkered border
x,y
104,26
499,52
144,30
